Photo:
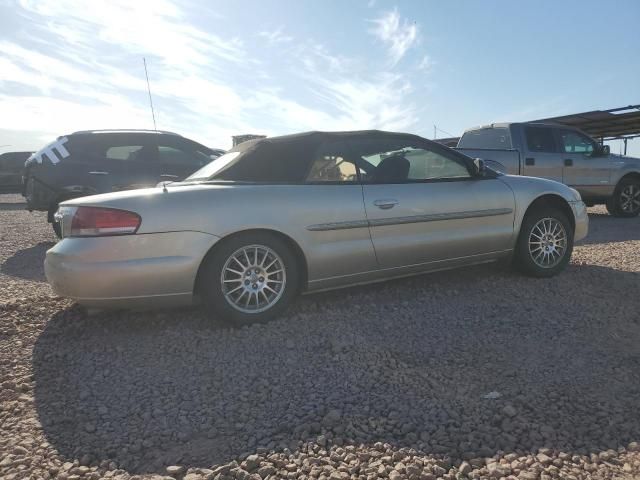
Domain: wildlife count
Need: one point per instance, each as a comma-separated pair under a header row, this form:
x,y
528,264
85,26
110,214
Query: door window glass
x,y
332,168
402,161
331,165
540,139
130,153
574,142
174,156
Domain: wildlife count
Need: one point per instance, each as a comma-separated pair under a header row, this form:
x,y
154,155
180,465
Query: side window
x,y
540,139
405,161
331,165
130,153
574,142
174,156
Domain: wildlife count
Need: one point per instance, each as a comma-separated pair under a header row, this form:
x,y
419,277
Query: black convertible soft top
x,y
306,143
313,139
288,157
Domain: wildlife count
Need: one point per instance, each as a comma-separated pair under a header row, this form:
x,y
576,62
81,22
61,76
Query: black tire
x,y
211,287
524,258
617,205
54,224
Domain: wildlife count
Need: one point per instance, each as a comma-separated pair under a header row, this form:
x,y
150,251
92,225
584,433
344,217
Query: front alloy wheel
x,y
545,242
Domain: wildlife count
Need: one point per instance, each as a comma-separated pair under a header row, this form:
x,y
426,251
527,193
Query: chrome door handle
x,y
98,173
386,203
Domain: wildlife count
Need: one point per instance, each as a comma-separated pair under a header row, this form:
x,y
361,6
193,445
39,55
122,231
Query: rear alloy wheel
x,y
545,243
626,199
251,278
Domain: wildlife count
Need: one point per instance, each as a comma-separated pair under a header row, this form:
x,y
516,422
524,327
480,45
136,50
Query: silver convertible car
x,y
307,212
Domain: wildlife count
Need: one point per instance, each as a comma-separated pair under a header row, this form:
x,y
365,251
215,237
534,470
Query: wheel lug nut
x,y
254,286
246,282
261,279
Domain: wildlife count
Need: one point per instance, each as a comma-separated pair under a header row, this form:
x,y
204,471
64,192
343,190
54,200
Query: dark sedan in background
x,y
101,161
12,170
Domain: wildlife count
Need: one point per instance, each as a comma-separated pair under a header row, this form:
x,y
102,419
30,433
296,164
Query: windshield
x,y
214,168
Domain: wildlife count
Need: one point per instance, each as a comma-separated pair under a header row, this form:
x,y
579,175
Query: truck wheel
x,y
625,201
250,278
545,243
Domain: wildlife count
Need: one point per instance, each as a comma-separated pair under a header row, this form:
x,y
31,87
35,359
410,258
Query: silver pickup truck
x,y
559,153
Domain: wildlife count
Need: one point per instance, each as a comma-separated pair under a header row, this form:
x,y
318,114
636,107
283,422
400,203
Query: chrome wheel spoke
x,y
234,290
271,264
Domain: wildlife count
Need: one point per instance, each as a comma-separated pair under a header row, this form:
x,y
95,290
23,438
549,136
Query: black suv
x,y
101,161
11,171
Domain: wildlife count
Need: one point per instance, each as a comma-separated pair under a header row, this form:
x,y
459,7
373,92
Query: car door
x,y
580,168
337,240
424,205
542,156
130,161
178,158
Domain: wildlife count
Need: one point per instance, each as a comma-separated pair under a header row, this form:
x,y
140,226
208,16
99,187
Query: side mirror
x,y
479,167
601,151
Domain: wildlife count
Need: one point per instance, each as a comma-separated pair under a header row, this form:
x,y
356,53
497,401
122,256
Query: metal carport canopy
x,y
617,123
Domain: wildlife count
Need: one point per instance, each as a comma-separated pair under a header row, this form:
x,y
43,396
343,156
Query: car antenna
x,y
146,74
164,187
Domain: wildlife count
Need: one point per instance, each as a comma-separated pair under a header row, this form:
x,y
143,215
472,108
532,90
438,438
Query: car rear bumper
x,y
129,271
582,220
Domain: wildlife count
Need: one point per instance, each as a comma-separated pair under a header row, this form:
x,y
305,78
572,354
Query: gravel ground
x,y
477,373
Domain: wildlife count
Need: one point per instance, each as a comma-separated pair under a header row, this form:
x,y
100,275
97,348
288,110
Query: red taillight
x,y
95,221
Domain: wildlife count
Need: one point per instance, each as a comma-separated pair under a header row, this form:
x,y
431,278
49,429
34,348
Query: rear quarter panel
x,y
288,209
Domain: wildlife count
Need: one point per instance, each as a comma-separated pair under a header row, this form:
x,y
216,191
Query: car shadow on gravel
x,y
603,228
27,263
410,363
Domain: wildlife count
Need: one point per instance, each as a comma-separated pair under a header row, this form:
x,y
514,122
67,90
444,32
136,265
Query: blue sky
x,y
220,68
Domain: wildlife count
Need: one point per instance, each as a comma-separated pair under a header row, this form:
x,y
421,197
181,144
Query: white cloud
x,y
357,99
157,28
275,36
81,68
397,34
426,64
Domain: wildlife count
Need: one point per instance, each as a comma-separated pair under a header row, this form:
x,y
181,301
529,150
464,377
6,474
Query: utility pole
x,y
435,135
